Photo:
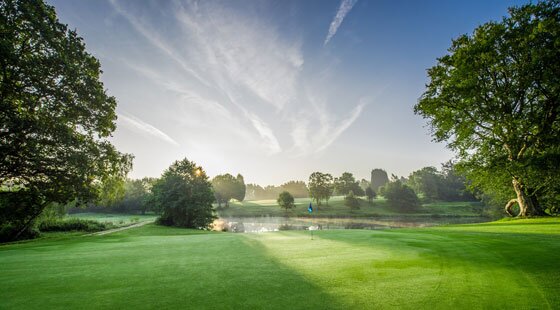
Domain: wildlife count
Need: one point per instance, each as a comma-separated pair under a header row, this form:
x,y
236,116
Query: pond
x,y
266,224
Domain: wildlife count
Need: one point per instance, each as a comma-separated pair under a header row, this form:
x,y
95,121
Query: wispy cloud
x,y
234,74
345,7
307,141
140,126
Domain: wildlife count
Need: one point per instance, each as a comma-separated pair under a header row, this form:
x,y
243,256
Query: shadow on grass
x,y
153,267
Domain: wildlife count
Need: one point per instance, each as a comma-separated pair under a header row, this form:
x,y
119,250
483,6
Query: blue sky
x,y
274,90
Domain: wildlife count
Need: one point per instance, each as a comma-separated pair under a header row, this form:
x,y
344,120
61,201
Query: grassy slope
x,y
496,265
336,208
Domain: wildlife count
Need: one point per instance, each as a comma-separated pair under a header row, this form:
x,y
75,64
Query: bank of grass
x,y
505,265
336,208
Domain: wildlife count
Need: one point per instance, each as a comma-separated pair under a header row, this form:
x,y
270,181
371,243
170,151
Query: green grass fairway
x,y
503,265
336,208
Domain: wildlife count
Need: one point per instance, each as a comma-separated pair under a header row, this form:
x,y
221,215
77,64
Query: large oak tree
x,y
55,116
495,99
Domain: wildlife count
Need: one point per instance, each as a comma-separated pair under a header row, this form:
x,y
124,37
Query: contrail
x,y
345,7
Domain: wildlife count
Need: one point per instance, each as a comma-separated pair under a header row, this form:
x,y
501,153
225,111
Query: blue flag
x,y
310,209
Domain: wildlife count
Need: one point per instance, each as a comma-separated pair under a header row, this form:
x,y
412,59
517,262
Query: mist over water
x,y
269,224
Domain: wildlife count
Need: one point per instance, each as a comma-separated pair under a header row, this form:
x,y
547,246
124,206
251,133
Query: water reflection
x,y
266,224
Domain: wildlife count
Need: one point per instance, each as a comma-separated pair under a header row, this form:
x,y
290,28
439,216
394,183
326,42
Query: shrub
x,y
73,224
8,231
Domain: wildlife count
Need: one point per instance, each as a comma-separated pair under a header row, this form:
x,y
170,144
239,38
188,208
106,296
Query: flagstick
x,y
311,227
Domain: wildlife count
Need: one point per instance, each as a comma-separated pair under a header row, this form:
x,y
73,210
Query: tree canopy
x,y
495,99
346,183
320,186
184,195
227,187
286,201
400,196
378,178
55,116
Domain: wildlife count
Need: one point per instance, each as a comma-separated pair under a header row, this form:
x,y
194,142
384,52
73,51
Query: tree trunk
x,y
527,205
508,207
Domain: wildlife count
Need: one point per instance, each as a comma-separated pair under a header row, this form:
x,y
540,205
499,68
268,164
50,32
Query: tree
x,y
495,99
378,178
364,184
427,181
55,117
454,187
240,188
286,200
320,187
185,196
352,202
136,196
370,194
225,188
346,183
400,197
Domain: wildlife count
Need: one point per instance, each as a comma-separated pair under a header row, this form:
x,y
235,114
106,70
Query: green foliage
x,y
426,181
378,178
297,188
9,230
137,197
240,188
401,197
320,187
494,98
185,196
286,201
227,187
72,224
346,183
445,185
364,184
55,117
351,201
370,194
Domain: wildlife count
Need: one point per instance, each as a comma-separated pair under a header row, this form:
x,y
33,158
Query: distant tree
x,y
320,187
370,194
253,192
346,183
427,181
240,188
297,188
286,200
364,184
351,201
227,187
494,98
185,196
136,196
55,118
400,197
378,178
454,187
